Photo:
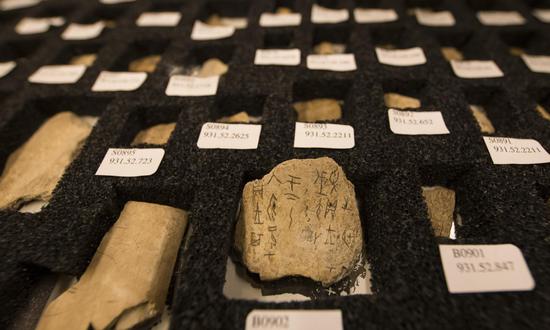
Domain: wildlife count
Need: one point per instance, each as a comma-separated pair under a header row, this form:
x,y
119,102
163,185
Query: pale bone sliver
x,y
212,67
241,117
329,48
542,112
399,101
145,64
440,202
85,59
236,22
33,170
482,119
318,110
158,134
301,219
283,10
516,51
452,54
127,280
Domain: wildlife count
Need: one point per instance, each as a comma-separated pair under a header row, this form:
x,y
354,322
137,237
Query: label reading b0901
x,y
270,319
192,86
485,268
229,136
321,135
505,150
417,122
130,162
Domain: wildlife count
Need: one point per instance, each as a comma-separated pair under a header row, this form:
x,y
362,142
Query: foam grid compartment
x,y
498,204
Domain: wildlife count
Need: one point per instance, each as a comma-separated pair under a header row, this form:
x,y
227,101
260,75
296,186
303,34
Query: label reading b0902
x,y
108,81
270,319
229,136
505,150
417,122
485,268
321,135
130,162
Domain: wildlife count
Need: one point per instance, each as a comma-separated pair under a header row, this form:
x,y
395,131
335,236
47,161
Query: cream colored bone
x,y
127,280
34,169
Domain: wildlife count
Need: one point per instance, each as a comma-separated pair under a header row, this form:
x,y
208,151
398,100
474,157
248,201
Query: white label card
x,y
287,57
32,25
401,57
322,15
180,85
543,15
6,68
500,18
58,74
322,135
202,31
537,63
417,122
168,18
485,268
262,319
504,150
275,20
130,162
83,31
476,69
118,81
364,15
333,62
17,4
435,18
229,136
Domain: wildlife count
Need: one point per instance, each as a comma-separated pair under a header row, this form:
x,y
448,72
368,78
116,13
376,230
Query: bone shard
x,y
145,64
542,112
127,281
212,67
451,53
329,48
301,219
399,101
34,169
440,202
158,134
482,119
322,109
84,59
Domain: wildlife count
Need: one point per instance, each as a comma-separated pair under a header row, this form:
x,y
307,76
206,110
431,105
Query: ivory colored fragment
x,y
127,280
236,22
301,219
283,10
441,205
542,112
145,64
516,51
158,134
212,67
329,48
399,101
85,59
318,110
482,119
32,171
452,54
241,117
